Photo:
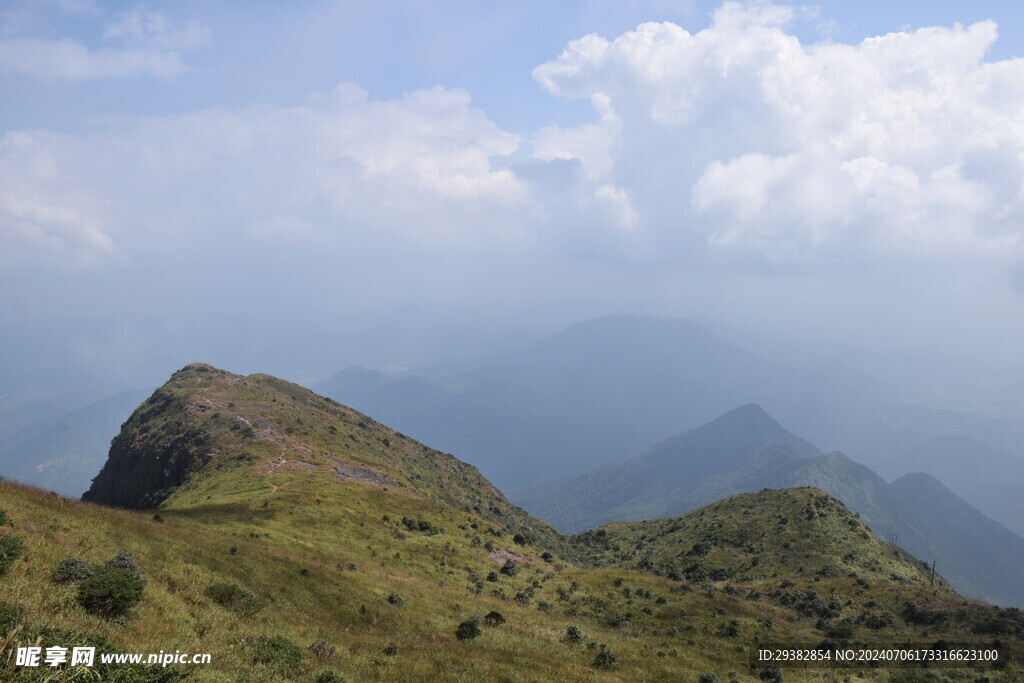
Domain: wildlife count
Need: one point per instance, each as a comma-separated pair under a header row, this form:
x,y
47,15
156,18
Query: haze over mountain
x,y
745,450
608,387
64,452
989,479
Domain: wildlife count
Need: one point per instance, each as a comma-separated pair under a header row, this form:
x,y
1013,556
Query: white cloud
x,y
343,167
795,150
147,44
155,30
40,212
733,138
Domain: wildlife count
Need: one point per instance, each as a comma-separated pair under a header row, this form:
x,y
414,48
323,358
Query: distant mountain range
x,y
746,450
60,449
607,388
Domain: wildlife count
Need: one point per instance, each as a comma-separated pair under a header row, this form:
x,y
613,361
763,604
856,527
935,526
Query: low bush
x,y
278,653
234,598
11,548
604,659
110,591
321,649
73,569
468,630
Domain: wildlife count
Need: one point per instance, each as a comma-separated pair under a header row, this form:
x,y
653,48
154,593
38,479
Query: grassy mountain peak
x,y
209,436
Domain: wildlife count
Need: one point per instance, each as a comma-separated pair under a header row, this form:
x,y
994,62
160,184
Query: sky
x,y
188,178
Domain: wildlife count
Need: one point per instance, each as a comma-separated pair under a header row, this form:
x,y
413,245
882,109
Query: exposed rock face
x,y
153,454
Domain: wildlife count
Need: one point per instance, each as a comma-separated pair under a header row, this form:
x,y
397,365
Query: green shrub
x,y
73,569
494,619
321,649
11,548
510,568
110,591
127,562
709,677
467,630
604,659
396,600
234,598
278,652
573,635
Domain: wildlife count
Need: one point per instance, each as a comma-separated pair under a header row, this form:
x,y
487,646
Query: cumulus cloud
x,y
907,143
735,138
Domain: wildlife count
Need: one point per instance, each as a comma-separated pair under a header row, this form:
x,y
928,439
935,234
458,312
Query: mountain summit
x,y
210,435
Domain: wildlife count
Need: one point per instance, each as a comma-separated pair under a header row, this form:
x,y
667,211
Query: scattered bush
x,y
73,569
492,576
545,606
510,568
709,677
573,635
321,649
110,591
11,548
396,600
772,672
923,616
494,619
158,519
730,630
546,556
877,622
127,562
234,598
467,630
278,652
604,659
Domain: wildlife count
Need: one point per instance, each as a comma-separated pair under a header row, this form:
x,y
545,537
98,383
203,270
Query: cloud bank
x,y
735,148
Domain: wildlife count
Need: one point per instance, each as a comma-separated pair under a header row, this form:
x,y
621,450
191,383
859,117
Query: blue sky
x,y
791,167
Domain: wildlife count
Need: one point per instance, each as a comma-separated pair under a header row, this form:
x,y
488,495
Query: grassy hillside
x,y
355,554
745,450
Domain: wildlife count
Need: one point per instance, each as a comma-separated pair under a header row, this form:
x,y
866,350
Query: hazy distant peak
x,y
921,481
